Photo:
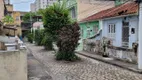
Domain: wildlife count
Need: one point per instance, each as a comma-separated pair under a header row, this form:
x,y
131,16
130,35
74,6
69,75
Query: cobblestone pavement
x,y
36,70
86,69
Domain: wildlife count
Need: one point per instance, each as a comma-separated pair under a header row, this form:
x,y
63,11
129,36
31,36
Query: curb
x,y
115,64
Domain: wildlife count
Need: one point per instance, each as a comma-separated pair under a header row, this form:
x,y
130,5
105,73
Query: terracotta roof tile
x,y
125,9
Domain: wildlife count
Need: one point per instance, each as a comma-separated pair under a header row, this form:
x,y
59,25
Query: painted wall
x,y
117,41
84,27
119,2
13,65
133,24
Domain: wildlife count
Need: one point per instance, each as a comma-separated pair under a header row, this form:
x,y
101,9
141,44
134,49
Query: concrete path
x,y
36,70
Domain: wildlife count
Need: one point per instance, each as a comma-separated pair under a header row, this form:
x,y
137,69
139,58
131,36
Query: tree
x,y
67,42
54,18
28,16
8,20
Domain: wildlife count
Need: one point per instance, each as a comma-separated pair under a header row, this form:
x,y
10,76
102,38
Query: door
x,y
125,34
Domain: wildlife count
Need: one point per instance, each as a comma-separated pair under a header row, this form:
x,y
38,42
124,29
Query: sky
x,y
21,5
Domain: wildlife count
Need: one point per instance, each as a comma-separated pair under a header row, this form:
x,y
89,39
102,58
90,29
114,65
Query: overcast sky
x,y
22,5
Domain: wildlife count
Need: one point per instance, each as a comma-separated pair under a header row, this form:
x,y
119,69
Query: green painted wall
x,y
84,28
119,2
88,29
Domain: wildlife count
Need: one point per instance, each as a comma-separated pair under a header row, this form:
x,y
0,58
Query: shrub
x,y
30,37
47,41
67,42
39,34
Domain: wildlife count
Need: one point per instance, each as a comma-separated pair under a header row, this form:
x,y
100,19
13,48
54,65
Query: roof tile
x,y
125,9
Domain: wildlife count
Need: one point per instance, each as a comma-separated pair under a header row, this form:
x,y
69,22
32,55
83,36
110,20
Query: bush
x,y
67,42
39,34
47,41
30,37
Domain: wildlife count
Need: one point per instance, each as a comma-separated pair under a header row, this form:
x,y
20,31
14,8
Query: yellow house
x,y
16,15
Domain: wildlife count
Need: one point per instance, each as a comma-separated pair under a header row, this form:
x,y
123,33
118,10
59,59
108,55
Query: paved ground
x,y
36,70
86,69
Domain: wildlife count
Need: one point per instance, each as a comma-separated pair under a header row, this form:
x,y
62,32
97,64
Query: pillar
x,y
140,38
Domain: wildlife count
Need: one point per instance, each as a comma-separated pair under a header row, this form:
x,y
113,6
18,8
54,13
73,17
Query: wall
x,y
88,26
1,9
16,15
83,31
87,8
133,20
129,56
119,2
11,32
9,7
13,65
117,41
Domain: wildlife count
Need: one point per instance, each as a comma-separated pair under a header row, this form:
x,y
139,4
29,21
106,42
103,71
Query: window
x,y
96,28
111,30
73,12
17,18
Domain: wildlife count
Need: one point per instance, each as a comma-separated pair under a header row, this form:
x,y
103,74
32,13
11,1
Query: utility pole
x,y
140,36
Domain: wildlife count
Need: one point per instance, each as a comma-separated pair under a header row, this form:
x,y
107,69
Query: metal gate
x,y
125,34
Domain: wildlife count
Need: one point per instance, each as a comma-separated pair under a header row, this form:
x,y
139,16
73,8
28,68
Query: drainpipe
x,y
140,38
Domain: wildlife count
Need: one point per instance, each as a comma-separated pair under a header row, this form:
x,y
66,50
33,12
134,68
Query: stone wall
x,y
96,47
13,65
124,55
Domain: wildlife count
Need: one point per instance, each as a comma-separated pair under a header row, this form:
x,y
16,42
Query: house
x,y
112,20
90,28
120,25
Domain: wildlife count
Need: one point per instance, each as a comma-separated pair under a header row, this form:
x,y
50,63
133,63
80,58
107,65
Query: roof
x,y
125,9
37,24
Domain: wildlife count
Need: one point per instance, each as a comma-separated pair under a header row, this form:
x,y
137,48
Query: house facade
x,y
122,31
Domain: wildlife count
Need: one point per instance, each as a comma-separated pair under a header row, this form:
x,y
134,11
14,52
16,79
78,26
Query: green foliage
x,y
8,20
55,17
47,41
30,37
67,42
39,36
27,16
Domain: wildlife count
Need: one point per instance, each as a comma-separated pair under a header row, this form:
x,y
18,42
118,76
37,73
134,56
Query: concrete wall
x,y
13,65
1,9
129,56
